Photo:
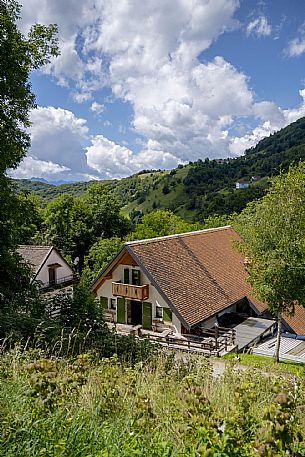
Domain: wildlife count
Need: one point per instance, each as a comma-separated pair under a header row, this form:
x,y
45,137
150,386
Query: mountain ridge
x,y
198,189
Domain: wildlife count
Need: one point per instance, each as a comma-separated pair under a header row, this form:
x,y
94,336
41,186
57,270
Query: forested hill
x,y
196,190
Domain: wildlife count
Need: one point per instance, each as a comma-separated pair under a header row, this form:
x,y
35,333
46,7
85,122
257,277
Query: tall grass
x,y
86,406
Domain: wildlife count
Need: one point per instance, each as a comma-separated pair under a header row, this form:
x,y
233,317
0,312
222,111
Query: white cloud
x,y
111,160
296,47
31,168
147,53
279,118
259,27
97,108
58,145
152,50
72,67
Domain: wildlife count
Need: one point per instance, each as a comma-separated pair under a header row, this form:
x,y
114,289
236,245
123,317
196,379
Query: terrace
x,y
215,342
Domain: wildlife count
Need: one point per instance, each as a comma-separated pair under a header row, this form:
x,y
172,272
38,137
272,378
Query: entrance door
x,y
121,313
136,312
147,315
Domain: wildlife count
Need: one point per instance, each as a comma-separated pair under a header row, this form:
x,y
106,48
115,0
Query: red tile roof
x,y
297,322
201,273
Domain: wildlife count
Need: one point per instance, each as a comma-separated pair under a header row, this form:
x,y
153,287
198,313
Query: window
x,y
159,312
52,276
136,281
112,303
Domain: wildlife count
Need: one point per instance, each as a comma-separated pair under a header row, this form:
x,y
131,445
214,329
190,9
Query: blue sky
x,y
154,83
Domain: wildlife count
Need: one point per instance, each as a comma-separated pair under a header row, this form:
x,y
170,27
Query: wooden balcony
x,y
130,291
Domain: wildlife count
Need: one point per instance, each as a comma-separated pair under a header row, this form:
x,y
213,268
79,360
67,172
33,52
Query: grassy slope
x,y
86,407
199,189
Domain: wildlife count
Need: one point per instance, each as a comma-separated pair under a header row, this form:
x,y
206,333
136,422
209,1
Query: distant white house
x,y
241,185
48,266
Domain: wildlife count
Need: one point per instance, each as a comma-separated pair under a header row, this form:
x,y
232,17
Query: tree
x,y
106,212
68,225
18,56
100,253
161,223
274,244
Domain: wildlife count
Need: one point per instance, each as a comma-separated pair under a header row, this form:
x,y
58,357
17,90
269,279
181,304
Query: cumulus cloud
x,y
278,118
259,27
112,160
72,67
31,167
97,108
178,102
148,54
58,146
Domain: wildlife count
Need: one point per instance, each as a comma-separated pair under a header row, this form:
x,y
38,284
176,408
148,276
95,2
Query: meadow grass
x,y
86,406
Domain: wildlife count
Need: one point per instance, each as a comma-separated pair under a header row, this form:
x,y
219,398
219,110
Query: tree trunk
x,y
278,338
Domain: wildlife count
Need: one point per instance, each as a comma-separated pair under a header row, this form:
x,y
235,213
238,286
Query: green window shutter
x,y
147,315
121,310
104,302
126,276
167,314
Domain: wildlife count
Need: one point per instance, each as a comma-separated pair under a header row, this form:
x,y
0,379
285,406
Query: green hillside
x,y
201,188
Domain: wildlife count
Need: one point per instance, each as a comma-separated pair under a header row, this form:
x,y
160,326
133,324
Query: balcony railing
x,y
65,281
130,291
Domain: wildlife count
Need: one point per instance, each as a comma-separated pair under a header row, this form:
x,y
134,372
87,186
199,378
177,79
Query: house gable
x,y
123,257
41,259
54,261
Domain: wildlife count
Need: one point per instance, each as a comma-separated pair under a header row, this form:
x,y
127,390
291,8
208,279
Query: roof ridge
x,y
176,235
34,246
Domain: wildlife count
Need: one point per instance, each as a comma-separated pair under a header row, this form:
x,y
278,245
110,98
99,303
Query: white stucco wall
x,y
154,297
209,323
61,272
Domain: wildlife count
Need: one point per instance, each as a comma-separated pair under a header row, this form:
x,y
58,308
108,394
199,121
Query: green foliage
x,y
67,223
161,223
18,56
105,211
17,327
47,192
17,222
100,254
87,406
202,188
273,231
74,224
